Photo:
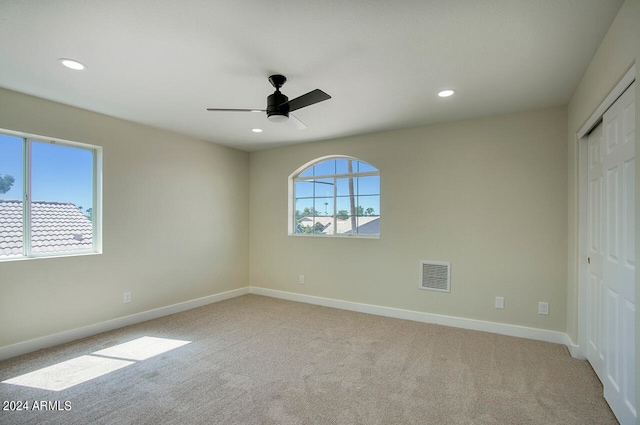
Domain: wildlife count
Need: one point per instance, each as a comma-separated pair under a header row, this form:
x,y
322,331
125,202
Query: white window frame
x,y
96,212
295,176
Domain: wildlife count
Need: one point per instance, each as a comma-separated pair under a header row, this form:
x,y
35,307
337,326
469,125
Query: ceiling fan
x,y
279,106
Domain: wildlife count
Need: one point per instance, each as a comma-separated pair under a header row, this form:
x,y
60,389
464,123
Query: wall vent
x,y
435,276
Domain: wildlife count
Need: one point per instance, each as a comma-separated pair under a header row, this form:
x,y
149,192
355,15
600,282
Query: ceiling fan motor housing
x,y
277,107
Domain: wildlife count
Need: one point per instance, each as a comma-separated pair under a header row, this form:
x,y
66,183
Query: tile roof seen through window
x,y
55,227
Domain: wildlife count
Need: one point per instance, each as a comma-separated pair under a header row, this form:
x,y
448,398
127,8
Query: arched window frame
x,y
367,225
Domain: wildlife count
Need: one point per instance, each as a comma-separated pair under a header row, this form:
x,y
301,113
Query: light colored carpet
x,y
258,360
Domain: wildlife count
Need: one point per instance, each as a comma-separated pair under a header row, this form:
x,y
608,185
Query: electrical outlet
x,y
543,308
500,302
127,297
301,280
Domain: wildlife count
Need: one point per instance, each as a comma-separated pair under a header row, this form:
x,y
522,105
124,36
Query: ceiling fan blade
x,y
308,99
295,123
236,110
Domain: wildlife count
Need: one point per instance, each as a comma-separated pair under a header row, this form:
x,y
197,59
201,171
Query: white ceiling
x,y
163,62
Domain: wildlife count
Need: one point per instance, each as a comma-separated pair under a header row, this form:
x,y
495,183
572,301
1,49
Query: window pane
x,y
324,206
345,224
304,189
368,225
363,167
343,203
304,207
342,187
325,168
370,205
341,166
307,173
11,196
369,185
324,187
304,225
62,198
322,226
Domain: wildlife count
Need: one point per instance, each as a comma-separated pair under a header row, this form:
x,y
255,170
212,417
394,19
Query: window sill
x,y
356,236
39,257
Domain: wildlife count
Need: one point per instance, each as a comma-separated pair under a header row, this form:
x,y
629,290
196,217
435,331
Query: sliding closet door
x,y
618,259
595,293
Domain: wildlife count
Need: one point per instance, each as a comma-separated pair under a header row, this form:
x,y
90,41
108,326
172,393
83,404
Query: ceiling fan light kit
x,y
279,105
277,117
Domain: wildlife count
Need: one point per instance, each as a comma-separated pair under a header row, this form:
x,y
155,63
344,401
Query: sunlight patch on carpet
x,y
81,369
69,373
142,348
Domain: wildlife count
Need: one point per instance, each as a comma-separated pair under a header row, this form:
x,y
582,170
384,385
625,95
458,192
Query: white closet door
x,y
618,259
595,288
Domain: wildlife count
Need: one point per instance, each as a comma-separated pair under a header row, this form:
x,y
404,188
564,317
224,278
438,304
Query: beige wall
x,y
619,50
488,195
174,228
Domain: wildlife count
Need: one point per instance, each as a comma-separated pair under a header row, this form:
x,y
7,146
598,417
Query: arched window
x,y
335,196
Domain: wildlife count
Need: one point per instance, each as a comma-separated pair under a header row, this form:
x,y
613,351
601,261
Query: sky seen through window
x,y
59,173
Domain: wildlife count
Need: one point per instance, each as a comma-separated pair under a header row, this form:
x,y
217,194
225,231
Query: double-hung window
x,y
49,197
335,196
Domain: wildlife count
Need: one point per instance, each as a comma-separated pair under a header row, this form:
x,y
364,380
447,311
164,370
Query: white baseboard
x,y
574,349
456,322
85,331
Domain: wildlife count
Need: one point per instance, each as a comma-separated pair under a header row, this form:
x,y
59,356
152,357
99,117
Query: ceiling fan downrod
x,y
277,107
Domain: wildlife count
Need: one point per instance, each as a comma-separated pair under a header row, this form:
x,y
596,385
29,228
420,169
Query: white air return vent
x,y
435,276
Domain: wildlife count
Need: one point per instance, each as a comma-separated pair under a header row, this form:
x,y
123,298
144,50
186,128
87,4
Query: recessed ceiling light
x,y
72,64
256,130
446,93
